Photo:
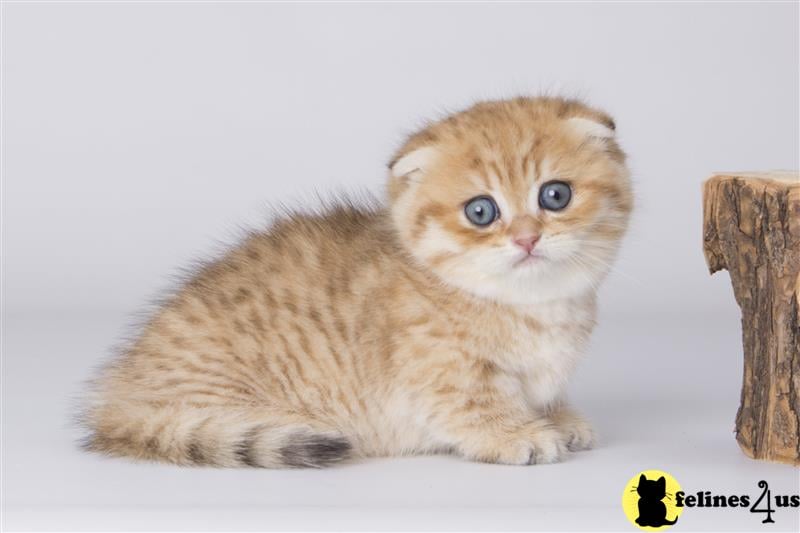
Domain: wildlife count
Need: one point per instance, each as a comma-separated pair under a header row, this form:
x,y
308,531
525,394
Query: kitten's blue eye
x,y
481,211
554,195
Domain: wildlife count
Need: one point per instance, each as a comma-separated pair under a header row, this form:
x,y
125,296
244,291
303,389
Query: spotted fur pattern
x,y
392,330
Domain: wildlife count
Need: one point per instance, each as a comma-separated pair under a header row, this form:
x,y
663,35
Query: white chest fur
x,y
541,359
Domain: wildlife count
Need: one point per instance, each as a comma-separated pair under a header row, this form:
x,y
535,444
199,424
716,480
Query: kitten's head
x,y
518,201
652,489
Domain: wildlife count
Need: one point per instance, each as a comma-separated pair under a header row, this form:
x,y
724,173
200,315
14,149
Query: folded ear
x,y
590,128
413,164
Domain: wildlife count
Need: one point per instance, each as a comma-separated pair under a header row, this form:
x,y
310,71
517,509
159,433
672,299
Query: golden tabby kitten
x,y
448,321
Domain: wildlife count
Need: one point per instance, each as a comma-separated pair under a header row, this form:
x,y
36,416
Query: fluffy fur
x,y
397,330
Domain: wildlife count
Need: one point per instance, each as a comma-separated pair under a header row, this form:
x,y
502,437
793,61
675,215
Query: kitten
x,y
652,511
448,321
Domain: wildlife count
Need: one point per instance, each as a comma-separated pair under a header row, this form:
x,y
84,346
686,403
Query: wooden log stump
x,y
752,229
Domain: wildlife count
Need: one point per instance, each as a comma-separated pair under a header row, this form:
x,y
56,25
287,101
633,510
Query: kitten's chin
x,y
527,281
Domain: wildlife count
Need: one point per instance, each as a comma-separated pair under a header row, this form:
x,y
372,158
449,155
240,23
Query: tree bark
x,y
752,229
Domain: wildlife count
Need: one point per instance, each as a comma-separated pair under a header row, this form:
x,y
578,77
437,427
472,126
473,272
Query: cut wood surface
x,y
752,230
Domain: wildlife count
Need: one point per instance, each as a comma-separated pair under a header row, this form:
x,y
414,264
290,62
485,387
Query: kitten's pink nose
x,y
527,242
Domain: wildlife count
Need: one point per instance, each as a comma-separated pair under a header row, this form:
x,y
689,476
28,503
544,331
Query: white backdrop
x,y
137,136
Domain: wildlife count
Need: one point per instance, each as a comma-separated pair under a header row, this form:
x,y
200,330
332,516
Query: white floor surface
x,y
662,392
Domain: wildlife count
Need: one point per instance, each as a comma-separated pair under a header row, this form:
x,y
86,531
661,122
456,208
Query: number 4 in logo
x,y
769,510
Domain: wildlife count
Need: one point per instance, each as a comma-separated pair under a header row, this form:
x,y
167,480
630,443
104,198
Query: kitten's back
x,y
247,362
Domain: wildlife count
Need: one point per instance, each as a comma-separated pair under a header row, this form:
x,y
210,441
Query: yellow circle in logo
x,y
649,500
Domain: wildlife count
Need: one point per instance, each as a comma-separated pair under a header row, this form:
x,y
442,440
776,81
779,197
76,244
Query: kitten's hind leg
x,y
577,431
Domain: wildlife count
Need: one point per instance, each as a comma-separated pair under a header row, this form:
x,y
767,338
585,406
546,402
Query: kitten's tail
x,y
213,436
669,523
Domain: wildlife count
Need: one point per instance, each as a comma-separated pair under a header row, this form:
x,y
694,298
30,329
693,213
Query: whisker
x,y
611,268
582,270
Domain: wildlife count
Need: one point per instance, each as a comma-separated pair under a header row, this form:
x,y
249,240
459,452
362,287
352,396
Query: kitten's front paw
x,y
577,432
549,446
541,445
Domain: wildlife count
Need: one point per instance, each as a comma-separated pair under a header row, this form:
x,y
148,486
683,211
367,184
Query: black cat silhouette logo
x,y
649,500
